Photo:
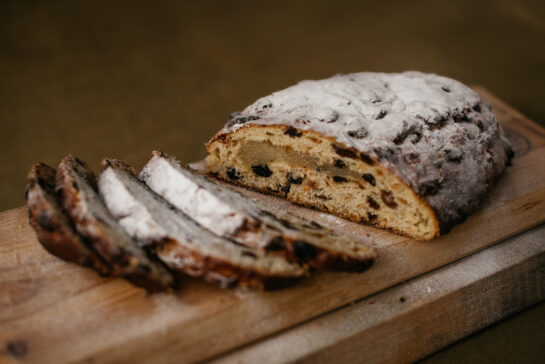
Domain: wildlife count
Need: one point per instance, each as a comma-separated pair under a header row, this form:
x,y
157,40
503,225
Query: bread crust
x,y
53,227
220,272
77,184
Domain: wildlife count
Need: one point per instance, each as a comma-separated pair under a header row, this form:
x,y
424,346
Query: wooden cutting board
x,y
416,298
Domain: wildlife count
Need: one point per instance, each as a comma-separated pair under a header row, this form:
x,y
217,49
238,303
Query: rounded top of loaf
x,y
435,133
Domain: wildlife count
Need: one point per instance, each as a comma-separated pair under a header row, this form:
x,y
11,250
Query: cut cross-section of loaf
x,y
80,198
184,245
411,152
53,227
227,213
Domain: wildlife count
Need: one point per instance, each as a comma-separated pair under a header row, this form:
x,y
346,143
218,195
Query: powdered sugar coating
x,y
435,133
194,195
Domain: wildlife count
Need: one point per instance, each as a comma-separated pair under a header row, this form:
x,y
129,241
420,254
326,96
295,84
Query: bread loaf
x,y
410,152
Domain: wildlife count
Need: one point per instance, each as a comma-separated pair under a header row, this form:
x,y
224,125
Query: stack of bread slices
x,y
168,221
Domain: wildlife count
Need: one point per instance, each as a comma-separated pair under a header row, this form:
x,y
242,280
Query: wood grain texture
x,y
416,318
53,312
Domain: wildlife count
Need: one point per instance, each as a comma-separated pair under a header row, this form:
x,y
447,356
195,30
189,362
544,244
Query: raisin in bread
x,y
184,245
411,152
227,213
80,199
53,227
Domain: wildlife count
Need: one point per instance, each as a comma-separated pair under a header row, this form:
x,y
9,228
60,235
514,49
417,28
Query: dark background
x,y
118,79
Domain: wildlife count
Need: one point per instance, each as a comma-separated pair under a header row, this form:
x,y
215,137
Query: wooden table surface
x,y
119,79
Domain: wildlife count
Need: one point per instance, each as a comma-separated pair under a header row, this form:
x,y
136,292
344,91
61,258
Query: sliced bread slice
x,y
80,198
184,245
227,213
53,227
